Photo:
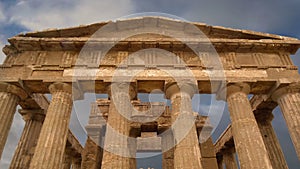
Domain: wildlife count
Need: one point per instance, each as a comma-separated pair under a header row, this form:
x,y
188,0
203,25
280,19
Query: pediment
x,y
150,31
214,32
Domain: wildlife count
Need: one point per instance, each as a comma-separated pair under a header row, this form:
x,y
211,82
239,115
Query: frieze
x,y
149,59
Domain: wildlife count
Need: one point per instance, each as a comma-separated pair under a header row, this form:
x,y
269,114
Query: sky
x,y
271,16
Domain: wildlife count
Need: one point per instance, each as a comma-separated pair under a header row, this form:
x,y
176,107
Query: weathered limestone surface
x,y
67,162
208,155
248,141
76,163
9,97
119,149
92,155
220,162
25,149
51,144
187,152
167,145
289,102
264,118
229,160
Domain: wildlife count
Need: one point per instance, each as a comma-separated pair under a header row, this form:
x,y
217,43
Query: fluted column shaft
x,y
9,97
76,163
229,160
264,118
220,161
248,141
24,151
50,149
289,102
119,147
67,162
167,143
187,152
208,156
92,155
8,104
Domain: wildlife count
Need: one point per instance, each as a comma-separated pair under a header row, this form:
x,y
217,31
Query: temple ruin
x,y
54,62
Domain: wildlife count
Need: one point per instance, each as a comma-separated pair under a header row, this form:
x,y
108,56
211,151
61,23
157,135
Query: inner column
x,y
186,153
119,147
264,119
167,143
229,159
24,151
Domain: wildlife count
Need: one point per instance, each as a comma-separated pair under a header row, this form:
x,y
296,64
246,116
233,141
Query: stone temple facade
x,y
58,62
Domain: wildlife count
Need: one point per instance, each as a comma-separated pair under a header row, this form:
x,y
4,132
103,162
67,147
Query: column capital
x,y
65,87
32,114
232,88
9,88
122,87
174,89
292,88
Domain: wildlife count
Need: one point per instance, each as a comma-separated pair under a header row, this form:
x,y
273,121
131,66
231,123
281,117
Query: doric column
x,y
50,149
119,147
186,153
33,125
220,161
264,118
76,163
9,97
208,156
67,159
229,159
248,141
167,145
92,155
288,99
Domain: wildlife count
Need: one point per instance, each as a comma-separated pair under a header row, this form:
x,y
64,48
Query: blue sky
x,y
272,16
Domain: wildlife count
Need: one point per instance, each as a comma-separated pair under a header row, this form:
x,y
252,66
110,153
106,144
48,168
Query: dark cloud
x,y
272,16
11,29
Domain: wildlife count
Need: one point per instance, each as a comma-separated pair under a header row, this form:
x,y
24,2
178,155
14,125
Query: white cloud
x,y
2,56
2,20
52,14
2,16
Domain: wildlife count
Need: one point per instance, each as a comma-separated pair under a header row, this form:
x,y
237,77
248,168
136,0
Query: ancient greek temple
x,y
177,59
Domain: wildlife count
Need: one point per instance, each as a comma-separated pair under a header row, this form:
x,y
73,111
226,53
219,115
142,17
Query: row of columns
x,y
254,137
264,118
249,143
43,139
